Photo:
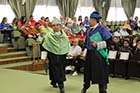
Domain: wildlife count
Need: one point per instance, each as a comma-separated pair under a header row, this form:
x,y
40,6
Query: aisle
x,y
12,81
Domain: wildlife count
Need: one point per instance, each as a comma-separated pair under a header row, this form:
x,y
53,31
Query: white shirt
x,y
96,25
75,50
117,34
123,32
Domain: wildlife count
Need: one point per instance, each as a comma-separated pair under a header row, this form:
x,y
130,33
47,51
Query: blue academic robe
x,y
95,68
102,30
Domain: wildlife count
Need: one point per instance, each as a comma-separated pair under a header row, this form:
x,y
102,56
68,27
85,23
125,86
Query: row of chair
x,y
18,41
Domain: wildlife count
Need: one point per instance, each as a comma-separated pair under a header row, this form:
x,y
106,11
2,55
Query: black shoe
x,y
54,85
62,90
83,90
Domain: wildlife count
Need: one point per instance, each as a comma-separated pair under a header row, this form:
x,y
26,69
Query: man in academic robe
x,y
57,44
95,69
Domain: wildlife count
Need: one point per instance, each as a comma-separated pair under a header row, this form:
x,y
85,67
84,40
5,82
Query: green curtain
x,y
17,7
129,7
22,9
102,6
29,7
67,7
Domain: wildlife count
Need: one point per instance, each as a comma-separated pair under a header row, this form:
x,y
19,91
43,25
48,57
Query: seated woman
x,y
127,26
73,57
21,23
79,20
48,21
82,27
14,23
67,27
81,35
31,22
5,25
132,25
41,21
86,22
117,32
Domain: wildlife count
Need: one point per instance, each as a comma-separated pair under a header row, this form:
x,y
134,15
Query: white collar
x,y
96,25
58,33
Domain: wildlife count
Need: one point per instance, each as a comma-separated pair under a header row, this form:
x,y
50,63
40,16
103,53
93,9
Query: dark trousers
x,y
76,62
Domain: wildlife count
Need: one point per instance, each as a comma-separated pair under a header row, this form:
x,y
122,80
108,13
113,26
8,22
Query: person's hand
x,y
94,44
134,41
139,46
8,28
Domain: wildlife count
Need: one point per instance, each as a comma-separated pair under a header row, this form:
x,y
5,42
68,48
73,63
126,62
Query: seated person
x,y
31,22
124,32
14,23
75,27
126,48
135,41
7,30
132,25
22,23
79,20
73,57
5,25
74,20
106,26
127,26
67,27
67,20
115,45
117,32
32,32
138,30
136,22
86,22
41,21
81,35
137,47
82,27
46,28
48,21
62,21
